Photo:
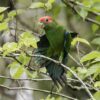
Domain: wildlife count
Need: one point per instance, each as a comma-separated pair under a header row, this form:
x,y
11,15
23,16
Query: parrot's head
x,y
45,21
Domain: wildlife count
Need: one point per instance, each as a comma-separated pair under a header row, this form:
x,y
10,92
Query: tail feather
x,y
56,72
60,82
63,77
55,82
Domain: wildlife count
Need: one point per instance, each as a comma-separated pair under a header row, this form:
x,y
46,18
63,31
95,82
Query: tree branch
x,y
39,90
27,79
72,6
81,5
69,80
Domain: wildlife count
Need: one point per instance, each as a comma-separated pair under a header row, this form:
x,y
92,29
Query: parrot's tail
x,y
56,72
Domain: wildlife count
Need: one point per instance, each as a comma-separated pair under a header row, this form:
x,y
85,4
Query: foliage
x,y
21,50
74,42
2,9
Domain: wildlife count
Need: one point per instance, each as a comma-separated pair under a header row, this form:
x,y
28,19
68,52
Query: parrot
x,y
55,43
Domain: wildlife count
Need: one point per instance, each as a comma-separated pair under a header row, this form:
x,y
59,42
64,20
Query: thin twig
x,y
39,90
74,59
69,80
30,60
27,79
19,84
78,52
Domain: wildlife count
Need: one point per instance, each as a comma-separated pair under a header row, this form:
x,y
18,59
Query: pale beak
x,y
41,25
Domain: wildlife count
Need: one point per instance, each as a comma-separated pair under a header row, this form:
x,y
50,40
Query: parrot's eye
x,y
46,20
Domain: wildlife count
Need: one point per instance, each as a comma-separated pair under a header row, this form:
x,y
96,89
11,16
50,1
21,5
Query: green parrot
x,y
55,43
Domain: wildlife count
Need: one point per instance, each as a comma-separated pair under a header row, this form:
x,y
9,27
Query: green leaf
x,y
93,69
32,75
37,5
43,70
82,70
96,74
2,9
16,70
79,40
1,17
96,7
88,3
97,59
50,98
51,1
29,74
9,47
28,40
56,11
83,13
97,95
95,27
96,41
96,1
23,58
35,74
90,56
97,84
3,26
13,13
1,49
48,6
98,18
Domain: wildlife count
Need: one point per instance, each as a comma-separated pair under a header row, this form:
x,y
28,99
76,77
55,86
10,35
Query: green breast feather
x,y
55,35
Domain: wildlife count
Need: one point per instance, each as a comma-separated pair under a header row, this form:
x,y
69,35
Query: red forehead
x,y
44,18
